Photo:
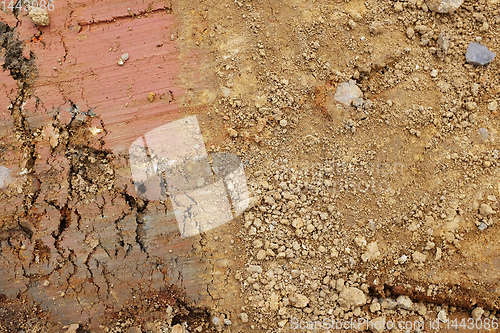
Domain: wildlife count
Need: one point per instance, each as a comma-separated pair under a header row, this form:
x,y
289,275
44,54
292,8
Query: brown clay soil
x,y
386,209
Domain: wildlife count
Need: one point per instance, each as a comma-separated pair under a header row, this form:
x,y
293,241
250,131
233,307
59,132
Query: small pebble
x,y
483,132
478,54
482,226
493,106
444,6
39,16
477,313
410,33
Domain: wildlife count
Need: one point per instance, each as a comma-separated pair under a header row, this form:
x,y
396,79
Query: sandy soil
x,y
385,209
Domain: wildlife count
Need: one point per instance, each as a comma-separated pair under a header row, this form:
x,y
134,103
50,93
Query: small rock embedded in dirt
x,y
418,257
348,92
442,316
351,297
39,16
124,57
404,302
301,301
478,54
477,313
483,132
486,210
72,328
5,177
410,33
443,43
244,317
493,106
261,255
439,253
376,28
254,269
372,252
151,96
444,6
177,329
377,325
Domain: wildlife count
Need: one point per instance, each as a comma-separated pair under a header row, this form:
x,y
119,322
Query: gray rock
x,y
444,6
478,54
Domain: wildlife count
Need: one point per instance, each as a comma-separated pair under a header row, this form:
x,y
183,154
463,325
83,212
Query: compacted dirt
x,y
382,211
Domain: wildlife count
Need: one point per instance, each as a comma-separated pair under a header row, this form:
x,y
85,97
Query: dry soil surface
x,y
384,209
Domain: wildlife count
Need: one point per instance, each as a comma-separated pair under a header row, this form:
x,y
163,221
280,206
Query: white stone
x,y
442,316
404,302
348,92
374,307
444,6
297,223
372,252
301,301
418,257
351,297
493,106
39,16
72,328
